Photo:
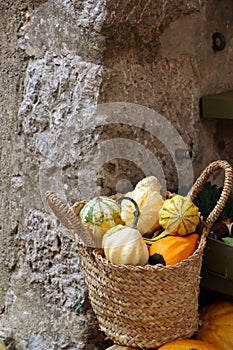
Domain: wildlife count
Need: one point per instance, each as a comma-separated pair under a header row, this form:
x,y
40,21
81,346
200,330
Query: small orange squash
x,y
187,344
216,324
174,248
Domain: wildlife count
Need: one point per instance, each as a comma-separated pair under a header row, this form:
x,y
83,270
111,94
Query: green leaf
x,y
79,306
207,198
89,216
228,240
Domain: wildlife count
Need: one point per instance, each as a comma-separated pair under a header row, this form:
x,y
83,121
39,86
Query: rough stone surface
x,y
174,67
60,59
54,80
46,250
47,290
66,29
12,71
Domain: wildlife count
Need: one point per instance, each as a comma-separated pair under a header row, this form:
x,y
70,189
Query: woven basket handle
x,y
226,191
67,218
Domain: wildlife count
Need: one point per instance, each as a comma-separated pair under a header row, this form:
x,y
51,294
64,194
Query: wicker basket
x,y
151,305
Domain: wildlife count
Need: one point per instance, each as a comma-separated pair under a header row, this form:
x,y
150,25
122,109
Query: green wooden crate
x,y
217,268
217,106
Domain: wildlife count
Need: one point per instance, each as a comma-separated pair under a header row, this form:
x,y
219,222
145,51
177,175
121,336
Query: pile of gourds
x,y
142,227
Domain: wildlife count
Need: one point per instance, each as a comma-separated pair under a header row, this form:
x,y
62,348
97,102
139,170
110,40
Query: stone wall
x,y
159,55
52,73
59,60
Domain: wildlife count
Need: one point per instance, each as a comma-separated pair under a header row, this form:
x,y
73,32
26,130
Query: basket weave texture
x,y
150,305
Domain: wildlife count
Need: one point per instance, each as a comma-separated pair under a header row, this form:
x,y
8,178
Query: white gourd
x,y
125,244
149,200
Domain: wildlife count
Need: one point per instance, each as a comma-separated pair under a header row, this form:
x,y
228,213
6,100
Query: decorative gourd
x,y
125,244
98,215
187,344
179,215
149,200
216,324
173,248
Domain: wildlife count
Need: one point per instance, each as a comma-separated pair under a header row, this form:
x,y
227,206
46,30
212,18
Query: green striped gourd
x,y
179,215
98,215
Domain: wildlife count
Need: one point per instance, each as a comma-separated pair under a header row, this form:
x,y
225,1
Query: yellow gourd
x,y
179,215
149,200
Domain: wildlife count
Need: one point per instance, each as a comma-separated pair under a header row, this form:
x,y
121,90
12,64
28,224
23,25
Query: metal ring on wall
x,y
219,41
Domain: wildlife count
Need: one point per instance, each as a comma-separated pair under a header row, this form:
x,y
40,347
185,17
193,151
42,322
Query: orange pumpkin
x,y
187,344
174,248
216,324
